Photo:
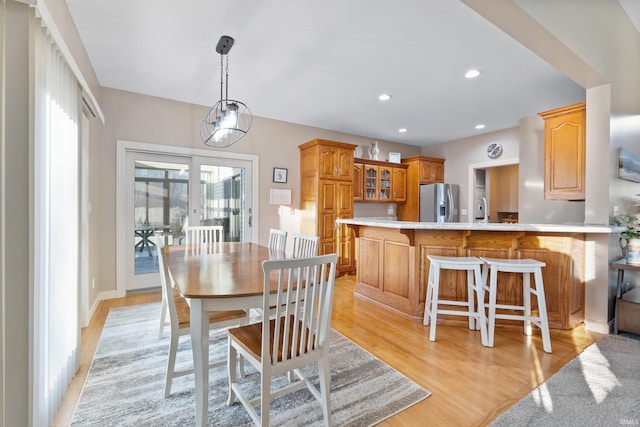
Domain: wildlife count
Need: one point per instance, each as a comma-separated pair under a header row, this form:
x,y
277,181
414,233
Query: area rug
x,y
125,384
600,387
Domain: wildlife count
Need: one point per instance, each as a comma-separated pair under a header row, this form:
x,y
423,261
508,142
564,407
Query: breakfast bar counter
x,y
392,266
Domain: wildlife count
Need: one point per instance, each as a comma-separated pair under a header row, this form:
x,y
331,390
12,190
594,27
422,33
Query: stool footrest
x,y
517,317
509,307
457,303
458,313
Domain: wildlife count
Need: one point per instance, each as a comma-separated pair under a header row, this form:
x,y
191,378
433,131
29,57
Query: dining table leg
x,y
200,347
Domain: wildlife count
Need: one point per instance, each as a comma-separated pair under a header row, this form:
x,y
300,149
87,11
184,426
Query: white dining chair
x,y
304,246
297,336
179,319
277,239
204,234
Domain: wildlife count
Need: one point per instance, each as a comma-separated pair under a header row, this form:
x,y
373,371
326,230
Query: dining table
x,y
216,277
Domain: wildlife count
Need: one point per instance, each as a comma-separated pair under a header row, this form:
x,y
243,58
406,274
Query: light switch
x,y
463,211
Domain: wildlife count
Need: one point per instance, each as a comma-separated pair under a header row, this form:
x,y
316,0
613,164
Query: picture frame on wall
x,y
628,165
280,175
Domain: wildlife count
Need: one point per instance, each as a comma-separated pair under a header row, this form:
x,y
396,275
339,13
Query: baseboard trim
x,y
101,296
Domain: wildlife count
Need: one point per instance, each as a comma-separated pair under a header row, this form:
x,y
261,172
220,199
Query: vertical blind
x,y
56,335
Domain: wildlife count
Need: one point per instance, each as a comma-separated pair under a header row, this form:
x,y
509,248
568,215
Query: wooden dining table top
x,y
219,270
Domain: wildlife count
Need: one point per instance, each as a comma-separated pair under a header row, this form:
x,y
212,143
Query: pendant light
x,y
228,120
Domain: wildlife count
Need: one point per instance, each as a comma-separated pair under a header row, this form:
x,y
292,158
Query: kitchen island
x,y
392,266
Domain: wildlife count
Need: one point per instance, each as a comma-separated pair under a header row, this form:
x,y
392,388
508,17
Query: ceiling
x,y
323,64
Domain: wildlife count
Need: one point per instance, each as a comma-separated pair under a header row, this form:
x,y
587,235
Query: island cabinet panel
x,y
369,263
386,270
563,275
393,268
396,268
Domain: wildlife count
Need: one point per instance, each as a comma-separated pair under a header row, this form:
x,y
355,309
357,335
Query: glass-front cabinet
x,y
382,183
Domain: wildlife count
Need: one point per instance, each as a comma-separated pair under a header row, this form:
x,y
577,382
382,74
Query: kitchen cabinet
x,y
399,184
358,182
381,181
564,152
327,194
431,171
420,170
393,268
335,162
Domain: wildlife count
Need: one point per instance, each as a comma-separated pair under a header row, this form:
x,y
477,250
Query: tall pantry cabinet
x,y
326,194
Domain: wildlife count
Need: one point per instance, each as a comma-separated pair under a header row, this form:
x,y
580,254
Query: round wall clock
x,y
494,150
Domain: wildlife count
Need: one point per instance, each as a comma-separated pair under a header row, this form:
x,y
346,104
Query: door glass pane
x,y
222,199
161,204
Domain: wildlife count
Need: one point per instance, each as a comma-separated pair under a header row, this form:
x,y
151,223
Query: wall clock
x,y
494,150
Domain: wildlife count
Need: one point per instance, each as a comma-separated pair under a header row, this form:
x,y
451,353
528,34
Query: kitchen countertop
x,y
546,228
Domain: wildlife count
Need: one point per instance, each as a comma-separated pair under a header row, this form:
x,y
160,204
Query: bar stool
x,y
475,288
526,267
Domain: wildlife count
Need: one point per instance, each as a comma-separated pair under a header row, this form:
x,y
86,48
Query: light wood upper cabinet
x,y
358,182
431,171
399,181
381,181
336,163
564,152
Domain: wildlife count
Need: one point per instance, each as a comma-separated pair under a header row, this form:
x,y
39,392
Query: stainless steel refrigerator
x,y
439,203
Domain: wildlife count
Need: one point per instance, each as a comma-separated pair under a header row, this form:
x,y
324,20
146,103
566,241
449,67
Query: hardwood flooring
x,y
470,384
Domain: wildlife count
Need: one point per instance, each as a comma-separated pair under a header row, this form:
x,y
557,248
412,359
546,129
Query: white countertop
x,y
546,228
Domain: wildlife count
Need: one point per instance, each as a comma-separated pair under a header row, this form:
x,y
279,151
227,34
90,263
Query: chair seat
x,y
249,337
183,311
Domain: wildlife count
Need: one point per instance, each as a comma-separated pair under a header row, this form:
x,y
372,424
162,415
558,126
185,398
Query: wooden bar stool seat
x,y
526,267
475,292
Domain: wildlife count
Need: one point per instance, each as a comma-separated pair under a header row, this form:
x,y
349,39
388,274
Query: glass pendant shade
x,y
228,120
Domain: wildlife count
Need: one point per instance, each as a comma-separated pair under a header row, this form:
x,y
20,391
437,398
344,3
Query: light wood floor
x,y
470,384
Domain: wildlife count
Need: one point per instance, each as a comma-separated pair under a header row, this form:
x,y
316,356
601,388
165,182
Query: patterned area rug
x,y
125,384
600,387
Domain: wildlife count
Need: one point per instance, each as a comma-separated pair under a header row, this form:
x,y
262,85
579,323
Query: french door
x,y
165,193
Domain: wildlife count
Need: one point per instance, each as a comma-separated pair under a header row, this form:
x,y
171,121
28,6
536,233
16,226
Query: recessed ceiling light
x,y
479,126
384,97
472,74
402,130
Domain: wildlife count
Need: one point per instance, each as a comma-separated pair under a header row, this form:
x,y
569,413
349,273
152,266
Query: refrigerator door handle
x,y
450,210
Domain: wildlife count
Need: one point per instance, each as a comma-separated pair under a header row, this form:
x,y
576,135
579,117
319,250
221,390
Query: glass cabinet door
x,y
385,184
371,182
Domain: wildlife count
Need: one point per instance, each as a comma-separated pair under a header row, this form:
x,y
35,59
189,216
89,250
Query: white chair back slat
x,y
303,312
304,246
277,239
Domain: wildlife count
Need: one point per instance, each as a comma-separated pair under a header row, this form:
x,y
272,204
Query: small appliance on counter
x,y
439,203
